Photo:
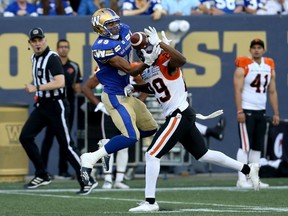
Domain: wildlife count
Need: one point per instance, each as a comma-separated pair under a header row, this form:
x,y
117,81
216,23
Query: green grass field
x,y
197,195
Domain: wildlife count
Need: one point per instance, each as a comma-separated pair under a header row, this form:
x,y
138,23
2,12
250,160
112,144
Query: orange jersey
x,y
257,79
170,91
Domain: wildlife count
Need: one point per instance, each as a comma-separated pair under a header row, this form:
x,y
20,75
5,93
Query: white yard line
x,y
229,208
141,189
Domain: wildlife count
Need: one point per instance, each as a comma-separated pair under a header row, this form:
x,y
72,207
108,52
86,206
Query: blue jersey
x,y
113,79
254,4
14,8
227,6
52,8
131,5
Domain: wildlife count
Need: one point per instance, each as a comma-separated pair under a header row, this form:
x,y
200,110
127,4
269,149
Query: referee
x,y
51,109
73,79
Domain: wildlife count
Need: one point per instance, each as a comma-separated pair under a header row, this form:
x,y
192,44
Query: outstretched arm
x,y
177,59
123,65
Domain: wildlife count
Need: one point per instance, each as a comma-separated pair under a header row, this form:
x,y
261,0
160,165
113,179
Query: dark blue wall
x,y
211,45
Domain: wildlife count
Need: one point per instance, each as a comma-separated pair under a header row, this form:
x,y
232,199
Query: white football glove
x,y
165,39
152,35
128,90
150,58
101,107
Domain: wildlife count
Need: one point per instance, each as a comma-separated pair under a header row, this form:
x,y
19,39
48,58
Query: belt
x,y
181,108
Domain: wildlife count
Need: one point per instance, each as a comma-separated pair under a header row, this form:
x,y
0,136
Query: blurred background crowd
x,y
154,8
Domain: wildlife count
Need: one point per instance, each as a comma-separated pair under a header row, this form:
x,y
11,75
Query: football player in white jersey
x,y
164,79
253,78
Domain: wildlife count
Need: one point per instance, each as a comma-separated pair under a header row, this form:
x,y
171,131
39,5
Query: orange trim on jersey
x,y
244,141
270,62
162,60
165,136
243,62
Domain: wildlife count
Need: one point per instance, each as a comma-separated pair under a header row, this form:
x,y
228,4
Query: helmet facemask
x,y
108,32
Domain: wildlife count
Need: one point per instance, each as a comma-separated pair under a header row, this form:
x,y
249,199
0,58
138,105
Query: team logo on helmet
x,y
106,23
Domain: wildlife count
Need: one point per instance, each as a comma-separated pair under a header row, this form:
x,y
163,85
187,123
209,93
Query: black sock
x,y
246,169
150,200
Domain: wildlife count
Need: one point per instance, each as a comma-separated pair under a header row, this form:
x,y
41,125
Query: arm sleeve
x,y
143,88
55,65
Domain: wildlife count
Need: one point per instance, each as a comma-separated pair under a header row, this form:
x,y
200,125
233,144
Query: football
x,y
139,40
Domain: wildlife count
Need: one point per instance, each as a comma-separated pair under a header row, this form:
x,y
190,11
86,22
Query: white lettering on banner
x,y
13,132
278,145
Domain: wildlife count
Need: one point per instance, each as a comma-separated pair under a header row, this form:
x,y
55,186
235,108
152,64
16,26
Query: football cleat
x,y
261,184
107,185
85,190
244,184
253,175
121,185
145,207
37,181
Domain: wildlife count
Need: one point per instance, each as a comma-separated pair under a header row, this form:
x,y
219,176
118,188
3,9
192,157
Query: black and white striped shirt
x,y
44,68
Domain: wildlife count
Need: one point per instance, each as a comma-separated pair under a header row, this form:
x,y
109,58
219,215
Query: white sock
x,y
151,175
201,128
96,155
254,156
220,159
242,156
119,177
121,164
122,160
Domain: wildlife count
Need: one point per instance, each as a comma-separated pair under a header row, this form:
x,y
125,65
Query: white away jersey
x,y
256,82
170,91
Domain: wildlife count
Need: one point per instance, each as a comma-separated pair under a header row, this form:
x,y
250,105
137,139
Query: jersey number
x,y
160,87
256,83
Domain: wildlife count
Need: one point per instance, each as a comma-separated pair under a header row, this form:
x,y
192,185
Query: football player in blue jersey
x,y
252,6
220,7
112,52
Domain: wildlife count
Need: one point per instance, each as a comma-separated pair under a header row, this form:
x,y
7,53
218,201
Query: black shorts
x,y
252,132
178,127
